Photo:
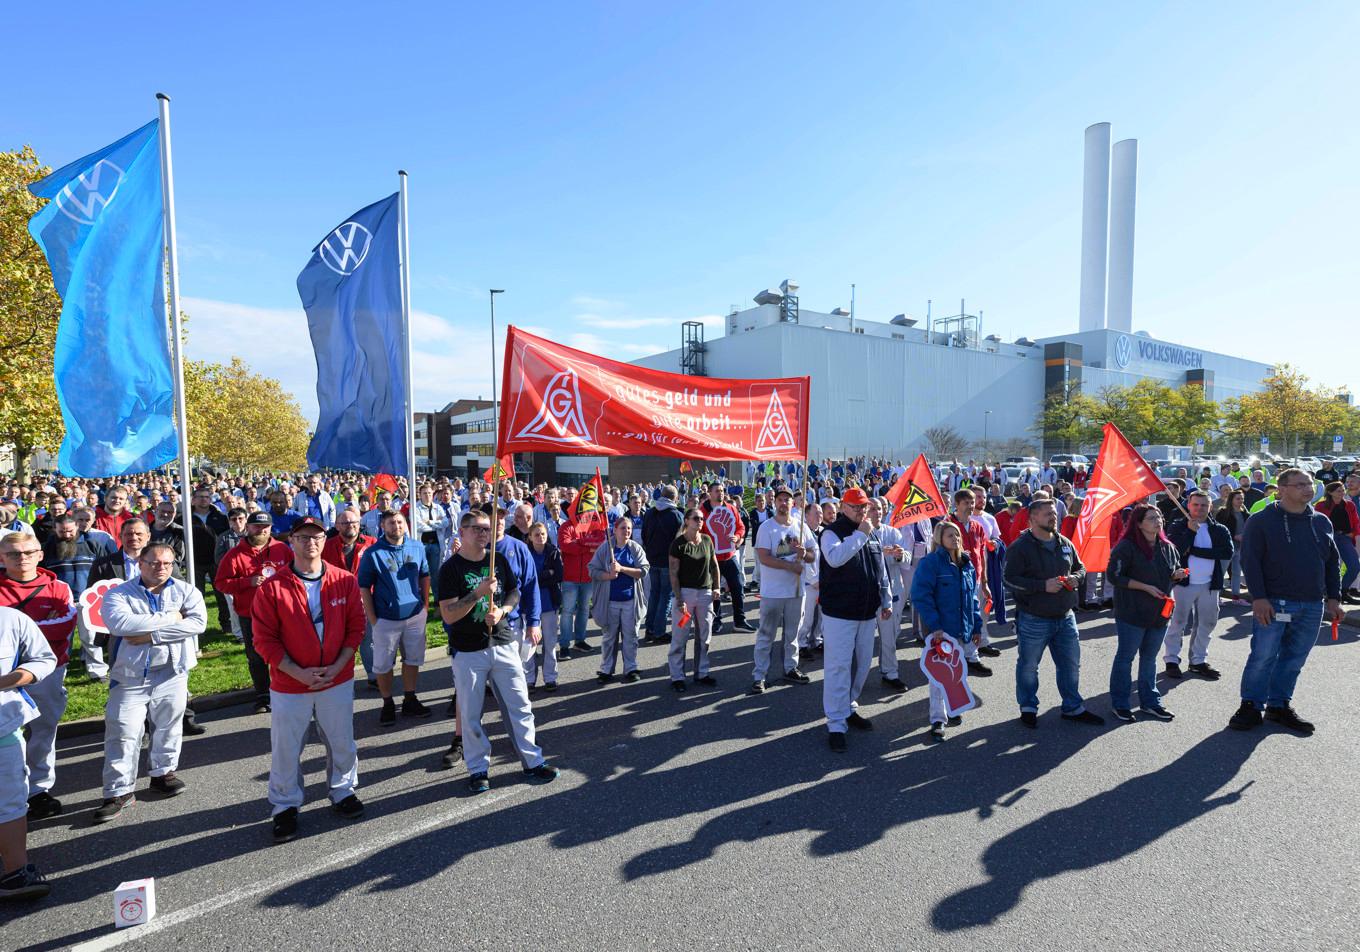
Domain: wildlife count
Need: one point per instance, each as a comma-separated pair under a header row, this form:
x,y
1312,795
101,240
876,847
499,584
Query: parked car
x,y
1076,459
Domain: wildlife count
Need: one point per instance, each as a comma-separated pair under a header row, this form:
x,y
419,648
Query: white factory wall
x,y
874,395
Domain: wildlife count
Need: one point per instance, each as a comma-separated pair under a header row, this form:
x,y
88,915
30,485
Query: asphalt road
x,y
717,820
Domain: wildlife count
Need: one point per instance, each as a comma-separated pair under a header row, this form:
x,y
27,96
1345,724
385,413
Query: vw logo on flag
x,y
1123,351
84,197
346,248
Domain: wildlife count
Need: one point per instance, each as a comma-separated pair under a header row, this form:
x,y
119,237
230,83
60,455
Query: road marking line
x,y
121,937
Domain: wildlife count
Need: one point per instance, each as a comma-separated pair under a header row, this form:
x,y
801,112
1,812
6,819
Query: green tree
x,y
240,419
30,418
1289,412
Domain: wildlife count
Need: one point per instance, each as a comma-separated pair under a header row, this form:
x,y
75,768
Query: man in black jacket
x,y
1204,547
854,593
660,525
1044,573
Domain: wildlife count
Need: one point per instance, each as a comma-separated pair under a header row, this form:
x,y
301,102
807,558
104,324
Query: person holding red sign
x,y
944,591
723,524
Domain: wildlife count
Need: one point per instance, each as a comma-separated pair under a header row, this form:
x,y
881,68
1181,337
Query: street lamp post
x,y
986,417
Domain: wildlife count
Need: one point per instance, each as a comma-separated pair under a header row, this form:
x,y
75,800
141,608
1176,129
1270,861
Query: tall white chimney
x,y
1123,195
1095,207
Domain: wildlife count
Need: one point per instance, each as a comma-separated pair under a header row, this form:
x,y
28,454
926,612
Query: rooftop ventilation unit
x,y
901,320
768,296
1024,342
994,338
840,312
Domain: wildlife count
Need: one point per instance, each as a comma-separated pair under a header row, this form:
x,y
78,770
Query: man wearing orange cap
x,y
854,594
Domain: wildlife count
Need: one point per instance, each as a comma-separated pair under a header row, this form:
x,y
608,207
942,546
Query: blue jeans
x,y
366,651
432,560
1278,652
575,608
1059,636
996,571
658,603
1349,559
1144,643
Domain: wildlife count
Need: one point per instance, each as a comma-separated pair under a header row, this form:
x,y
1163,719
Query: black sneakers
x,y
1287,717
896,684
542,773
678,687
113,806
168,784
453,754
743,625
478,783
707,681
937,731
411,707
987,651
1204,671
1029,718
1173,670
836,741
632,677
956,720
388,717
859,722
976,669
351,808
24,883
285,825
1123,714
757,687
1246,718
43,805
797,677
1157,713
1085,717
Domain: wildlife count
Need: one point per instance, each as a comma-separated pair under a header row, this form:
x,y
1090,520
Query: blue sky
x,y
621,167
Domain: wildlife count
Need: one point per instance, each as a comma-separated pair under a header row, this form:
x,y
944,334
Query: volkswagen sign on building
x,y
1123,351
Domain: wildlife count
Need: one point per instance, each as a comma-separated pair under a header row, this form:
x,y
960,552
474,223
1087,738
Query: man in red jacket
x,y
111,516
308,622
47,600
343,550
248,565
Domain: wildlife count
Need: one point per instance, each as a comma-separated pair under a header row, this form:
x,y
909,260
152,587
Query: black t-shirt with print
x,y
457,578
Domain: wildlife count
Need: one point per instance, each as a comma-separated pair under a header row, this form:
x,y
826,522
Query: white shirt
x,y
313,589
1201,570
778,540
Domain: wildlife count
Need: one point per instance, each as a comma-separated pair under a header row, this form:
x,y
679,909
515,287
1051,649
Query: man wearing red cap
x,y
854,594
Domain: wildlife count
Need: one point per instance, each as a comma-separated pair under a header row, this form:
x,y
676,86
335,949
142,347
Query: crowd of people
x,y
310,573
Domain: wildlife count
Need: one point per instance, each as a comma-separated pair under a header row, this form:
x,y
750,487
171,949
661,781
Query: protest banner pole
x,y
496,428
176,334
404,259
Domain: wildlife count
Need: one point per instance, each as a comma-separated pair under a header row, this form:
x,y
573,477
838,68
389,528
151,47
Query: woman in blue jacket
x,y
944,594
548,561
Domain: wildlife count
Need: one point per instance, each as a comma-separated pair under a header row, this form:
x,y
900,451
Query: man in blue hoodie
x,y
1293,572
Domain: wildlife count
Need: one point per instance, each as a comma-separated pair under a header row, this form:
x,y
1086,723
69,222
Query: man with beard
x,y
343,550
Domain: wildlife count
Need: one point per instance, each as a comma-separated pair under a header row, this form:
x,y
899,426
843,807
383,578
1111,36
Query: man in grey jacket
x,y
25,659
153,621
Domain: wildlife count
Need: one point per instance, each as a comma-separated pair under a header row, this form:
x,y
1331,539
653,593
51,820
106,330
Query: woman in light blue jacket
x,y
944,594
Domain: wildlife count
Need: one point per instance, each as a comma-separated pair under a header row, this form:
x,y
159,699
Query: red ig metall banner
x,y
559,399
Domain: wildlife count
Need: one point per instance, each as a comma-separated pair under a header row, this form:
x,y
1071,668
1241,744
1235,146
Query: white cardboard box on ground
x,y
134,902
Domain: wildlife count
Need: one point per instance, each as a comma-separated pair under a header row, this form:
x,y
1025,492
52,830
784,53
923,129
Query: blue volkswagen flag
x,y
102,232
351,290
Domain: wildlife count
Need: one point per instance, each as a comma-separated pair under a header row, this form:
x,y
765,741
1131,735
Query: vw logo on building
x,y
1123,351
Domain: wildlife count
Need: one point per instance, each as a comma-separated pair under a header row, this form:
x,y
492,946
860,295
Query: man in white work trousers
x,y
783,545
475,609
854,594
308,623
153,621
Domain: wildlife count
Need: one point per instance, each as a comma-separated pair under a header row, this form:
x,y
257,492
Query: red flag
x,y
686,467
587,508
381,482
503,468
915,496
561,400
1120,478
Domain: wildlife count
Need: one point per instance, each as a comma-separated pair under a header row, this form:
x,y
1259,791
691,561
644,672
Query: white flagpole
x,y
404,256
186,486
496,429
